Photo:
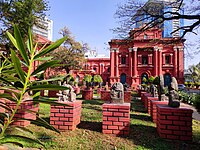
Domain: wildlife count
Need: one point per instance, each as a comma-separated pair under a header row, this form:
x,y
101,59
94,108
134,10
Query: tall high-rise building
x,y
45,28
161,7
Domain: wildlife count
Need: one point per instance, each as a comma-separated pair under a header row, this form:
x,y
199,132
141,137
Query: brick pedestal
x,y
87,94
127,96
174,123
140,92
149,103
142,96
105,95
21,113
145,99
116,119
154,108
52,93
66,117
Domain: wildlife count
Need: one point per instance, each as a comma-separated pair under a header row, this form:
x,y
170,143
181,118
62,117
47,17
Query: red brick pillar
x,y
66,117
146,95
174,123
130,62
105,95
142,96
135,73
87,94
23,113
127,96
180,64
149,103
175,62
154,108
112,62
116,119
117,64
159,61
155,62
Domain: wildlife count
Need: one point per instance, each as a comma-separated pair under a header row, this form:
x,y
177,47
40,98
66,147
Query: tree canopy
x,y
71,54
129,14
23,13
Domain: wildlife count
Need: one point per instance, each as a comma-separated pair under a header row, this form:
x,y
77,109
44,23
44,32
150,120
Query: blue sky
x,y
90,22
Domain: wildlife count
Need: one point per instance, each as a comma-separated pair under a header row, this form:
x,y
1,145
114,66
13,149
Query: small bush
x,y
197,102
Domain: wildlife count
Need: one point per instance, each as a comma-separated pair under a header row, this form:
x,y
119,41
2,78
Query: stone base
x,y
174,123
66,117
105,95
87,94
21,113
127,96
116,119
153,112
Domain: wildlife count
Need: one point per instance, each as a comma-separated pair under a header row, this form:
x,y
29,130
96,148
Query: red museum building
x,y
143,54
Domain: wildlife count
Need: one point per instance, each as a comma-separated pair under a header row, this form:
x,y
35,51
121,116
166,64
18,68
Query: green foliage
x,y
71,54
97,79
24,13
88,79
151,79
197,102
144,80
156,81
24,58
186,98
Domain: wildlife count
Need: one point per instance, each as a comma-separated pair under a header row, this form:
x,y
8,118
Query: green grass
x,y
88,135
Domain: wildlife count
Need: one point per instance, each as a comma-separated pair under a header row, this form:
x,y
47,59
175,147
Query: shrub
x,y
151,79
88,79
156,81
197,102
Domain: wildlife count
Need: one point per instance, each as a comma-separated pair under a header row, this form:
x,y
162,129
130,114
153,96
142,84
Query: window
x,y
167,59
123,60
94,69
109,69
144,60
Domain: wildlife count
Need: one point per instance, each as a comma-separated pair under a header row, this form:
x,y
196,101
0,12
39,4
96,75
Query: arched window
x,y
167,79
123,78
144,77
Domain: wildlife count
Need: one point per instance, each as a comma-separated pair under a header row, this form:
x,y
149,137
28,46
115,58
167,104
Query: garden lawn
x,y
88,135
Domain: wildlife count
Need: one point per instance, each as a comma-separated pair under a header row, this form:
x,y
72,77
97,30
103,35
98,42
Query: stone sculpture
x,y
161,92
117,93
173,94
66,95
153,90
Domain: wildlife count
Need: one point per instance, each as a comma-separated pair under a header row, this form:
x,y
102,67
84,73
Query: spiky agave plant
x,y
18,83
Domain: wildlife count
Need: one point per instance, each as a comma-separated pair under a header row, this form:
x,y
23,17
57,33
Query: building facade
x,y
45,28
146,54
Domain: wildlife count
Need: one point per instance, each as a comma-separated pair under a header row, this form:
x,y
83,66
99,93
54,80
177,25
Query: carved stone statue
x,y
173,94
117,93
66,95
161,92
153,90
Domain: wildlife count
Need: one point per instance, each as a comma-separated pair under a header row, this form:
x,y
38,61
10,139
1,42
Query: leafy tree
x,y
24,13
132,12
71,54
22,85
151,79
88,79
195,73
97,79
